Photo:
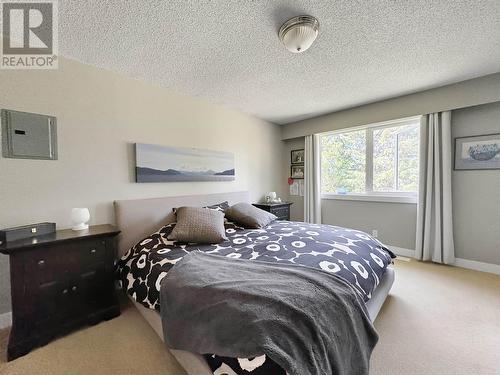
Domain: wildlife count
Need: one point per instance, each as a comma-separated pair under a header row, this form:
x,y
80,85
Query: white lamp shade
x,y
80,217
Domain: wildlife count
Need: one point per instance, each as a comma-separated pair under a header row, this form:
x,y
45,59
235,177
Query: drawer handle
x,y
41,262
93,251
74,289
88,274
65,291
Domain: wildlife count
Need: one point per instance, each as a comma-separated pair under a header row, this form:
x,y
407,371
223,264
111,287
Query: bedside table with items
x,y
281,209
59,282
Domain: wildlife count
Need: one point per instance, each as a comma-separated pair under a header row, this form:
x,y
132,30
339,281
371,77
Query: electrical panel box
x,y
28,135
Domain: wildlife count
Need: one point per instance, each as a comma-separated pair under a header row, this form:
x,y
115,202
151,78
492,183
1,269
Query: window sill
x,y
412,199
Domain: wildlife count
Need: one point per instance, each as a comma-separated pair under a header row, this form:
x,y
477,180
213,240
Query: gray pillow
x,y
219,206
249,216
198,225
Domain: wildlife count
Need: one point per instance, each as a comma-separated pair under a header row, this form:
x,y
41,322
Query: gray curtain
x,y
434,213
312,180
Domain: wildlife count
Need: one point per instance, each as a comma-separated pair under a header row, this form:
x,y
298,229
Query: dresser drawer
x,y
92,253
50,264
43,267
281,212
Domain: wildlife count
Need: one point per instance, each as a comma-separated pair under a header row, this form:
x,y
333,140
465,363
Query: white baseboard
x,y
459,262
5,320
478,266
402,251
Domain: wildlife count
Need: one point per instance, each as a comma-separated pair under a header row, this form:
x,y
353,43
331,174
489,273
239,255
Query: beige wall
x,y
100,115
476,194
459,95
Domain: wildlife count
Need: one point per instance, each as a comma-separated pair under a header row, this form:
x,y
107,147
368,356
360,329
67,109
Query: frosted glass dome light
x,y
299,33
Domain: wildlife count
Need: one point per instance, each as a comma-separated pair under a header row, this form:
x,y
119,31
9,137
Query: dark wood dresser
x,y
281,210
59,282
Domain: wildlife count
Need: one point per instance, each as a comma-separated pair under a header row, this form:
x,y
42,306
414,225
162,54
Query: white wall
x,y
476,194
100,115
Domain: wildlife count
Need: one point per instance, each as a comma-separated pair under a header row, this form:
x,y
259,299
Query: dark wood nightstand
x,y
281,210
59,282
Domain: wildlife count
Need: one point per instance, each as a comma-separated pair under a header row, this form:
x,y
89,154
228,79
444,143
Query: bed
x,y
137,219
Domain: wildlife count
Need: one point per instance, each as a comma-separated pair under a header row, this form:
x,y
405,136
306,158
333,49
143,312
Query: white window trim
x,y
374,197
370,195
378,125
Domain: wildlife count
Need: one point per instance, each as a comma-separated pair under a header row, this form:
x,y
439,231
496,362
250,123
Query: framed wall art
x,y
156,163
477,152
297,156
297,171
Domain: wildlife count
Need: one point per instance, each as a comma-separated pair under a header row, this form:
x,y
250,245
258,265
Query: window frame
x,y
370,195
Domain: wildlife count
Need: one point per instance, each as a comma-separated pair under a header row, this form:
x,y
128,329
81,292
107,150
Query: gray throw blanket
x,y
306,320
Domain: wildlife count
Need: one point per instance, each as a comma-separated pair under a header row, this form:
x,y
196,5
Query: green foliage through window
x,y
391,152
343,162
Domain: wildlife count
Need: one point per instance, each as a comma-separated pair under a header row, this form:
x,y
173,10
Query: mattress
x,y
352,255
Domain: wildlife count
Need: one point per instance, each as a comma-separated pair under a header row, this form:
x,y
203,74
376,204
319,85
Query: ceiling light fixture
x,y
299,33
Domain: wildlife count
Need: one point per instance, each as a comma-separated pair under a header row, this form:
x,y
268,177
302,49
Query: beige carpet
x,y
438,320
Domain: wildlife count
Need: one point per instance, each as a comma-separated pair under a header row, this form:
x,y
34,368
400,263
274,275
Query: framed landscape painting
x,y
478,152
156,163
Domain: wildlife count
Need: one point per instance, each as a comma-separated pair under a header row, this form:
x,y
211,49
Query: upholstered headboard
x,y
138,218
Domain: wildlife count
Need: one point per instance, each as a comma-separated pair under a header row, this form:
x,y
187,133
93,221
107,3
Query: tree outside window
x,y
376,160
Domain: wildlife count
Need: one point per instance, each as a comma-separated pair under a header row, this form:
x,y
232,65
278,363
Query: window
x,y
378,162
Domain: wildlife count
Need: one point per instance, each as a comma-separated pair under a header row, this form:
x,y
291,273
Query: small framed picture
x,y
297,156
297,171
477,152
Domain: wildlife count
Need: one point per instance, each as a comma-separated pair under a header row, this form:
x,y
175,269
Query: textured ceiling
x,y
229,51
